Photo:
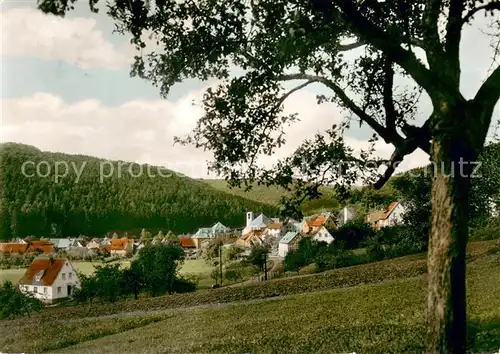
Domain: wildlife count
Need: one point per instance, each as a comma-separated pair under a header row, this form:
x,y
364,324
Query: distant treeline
x,y
89,197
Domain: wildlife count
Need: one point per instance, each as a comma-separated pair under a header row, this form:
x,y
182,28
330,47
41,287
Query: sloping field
x,y
375,318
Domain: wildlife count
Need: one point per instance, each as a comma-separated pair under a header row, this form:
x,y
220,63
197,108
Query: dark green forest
x,y
39,206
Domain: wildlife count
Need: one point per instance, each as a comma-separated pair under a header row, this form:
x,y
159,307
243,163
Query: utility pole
x,y
265,266
220,261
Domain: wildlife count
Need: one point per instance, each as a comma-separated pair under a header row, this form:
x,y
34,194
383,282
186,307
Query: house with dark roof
x,y
49,279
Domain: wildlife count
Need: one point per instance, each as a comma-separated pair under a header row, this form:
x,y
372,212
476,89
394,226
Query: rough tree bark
x,y
452,154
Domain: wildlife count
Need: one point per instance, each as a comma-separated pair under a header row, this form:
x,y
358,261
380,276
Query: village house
x,y
13,248
205,234
64,244
391,216
186,242
44,247
289,242
49,279
258,223
321,234
121,247
94,244
250,239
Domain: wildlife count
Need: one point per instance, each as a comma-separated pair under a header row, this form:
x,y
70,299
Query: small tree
x,y
215,274
88,289
233,274
157,267
258,256
171,237
294,261
15,303
108,281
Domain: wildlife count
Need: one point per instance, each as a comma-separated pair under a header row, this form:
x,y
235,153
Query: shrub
x,y
233,274
15,303
294,260
353,233
185,284
309,269
374,249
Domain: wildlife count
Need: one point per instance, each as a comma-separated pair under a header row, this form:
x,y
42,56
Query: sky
x,y
66,87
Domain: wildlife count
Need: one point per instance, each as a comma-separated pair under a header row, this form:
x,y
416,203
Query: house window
x,y
70,275
35,290
64,276
45,290
58,289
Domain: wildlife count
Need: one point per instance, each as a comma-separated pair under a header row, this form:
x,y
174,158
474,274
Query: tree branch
x,y
297,88
494,5
489,94
372,34
390,111
416,137
396,158
389,137
453,37
350,46
433,48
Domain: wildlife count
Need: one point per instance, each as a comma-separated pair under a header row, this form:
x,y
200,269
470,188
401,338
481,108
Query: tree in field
x,y
15,303
157,267
258,256
374,58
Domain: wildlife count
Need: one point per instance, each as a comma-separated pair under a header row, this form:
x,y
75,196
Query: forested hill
x,y
95,197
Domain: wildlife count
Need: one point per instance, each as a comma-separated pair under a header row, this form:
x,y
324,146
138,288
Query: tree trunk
x,y
446,306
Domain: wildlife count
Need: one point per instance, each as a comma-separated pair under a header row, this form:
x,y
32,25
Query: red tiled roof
x,y
51,268
40,246
13,247
186,242
118,244
319,221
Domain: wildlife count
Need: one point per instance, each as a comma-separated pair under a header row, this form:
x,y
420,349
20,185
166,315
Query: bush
x,y
184,284
353,233
374,249
15,303
489,231
233,274
309,269
294,260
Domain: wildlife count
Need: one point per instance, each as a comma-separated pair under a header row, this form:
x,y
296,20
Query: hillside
x,y
93,197
366,198
327,202
272,195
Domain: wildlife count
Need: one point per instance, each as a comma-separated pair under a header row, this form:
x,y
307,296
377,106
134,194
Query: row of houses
x,y
286,234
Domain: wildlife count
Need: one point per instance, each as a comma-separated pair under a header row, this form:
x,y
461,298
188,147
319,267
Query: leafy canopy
x,y
367,54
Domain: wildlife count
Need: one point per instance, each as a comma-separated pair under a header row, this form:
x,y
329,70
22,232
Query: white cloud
x,y
143,131
78,41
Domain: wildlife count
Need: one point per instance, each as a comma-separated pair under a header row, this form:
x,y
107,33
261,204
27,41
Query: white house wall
x,y
396,216
282,249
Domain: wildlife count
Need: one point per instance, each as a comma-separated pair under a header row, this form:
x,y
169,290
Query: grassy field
x,y
373,318
197,267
